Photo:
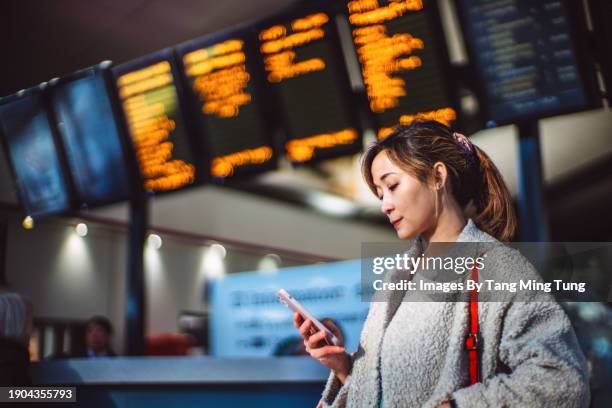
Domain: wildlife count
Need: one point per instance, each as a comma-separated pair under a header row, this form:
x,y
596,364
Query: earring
x,y
437,201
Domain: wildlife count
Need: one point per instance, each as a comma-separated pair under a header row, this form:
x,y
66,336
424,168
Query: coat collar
x,y
469,233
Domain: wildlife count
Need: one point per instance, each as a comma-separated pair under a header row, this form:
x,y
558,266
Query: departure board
x,y
91,137
525,55
401,61
227,105
148,95
303,64
33,154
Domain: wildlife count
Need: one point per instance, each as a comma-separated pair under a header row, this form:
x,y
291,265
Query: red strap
x,y
472,340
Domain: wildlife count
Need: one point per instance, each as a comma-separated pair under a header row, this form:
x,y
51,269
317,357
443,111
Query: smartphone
x,y
294,305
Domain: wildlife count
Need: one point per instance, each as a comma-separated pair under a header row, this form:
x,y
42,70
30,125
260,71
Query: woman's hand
x,y
333,357
444,405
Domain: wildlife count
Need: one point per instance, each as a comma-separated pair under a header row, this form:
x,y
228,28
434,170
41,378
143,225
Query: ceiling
x,y
45,39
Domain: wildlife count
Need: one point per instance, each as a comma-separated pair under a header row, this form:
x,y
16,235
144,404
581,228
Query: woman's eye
x,y
390,188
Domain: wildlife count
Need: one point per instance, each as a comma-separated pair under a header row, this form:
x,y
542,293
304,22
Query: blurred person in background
x,y
15,329
96,341
98,335
419,354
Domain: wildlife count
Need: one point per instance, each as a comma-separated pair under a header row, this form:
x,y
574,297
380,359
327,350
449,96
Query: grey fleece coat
x,y
413,353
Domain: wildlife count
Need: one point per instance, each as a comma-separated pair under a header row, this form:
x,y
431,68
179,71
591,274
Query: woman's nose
x,y
386,207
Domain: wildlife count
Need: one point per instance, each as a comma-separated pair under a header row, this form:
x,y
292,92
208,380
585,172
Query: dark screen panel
x,y
150,101
35,160
525,53
303,66
402,61
601,14
91,138
227,103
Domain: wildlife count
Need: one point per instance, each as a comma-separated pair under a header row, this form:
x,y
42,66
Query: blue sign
x,y
247,320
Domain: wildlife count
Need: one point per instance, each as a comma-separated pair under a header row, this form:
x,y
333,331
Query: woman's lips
x,y
396,222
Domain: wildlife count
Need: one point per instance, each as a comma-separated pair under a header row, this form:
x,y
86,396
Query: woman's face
x,y
408,203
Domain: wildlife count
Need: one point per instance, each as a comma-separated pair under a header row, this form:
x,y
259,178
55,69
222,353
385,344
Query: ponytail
x,y
494,205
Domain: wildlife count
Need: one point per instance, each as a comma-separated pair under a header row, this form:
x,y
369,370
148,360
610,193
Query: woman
x,y
413,354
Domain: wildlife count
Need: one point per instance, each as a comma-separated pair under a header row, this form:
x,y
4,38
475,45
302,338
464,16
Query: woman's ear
x,y
439,174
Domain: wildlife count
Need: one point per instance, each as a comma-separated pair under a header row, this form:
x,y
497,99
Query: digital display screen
x,y
525,55
601,14
40,179
400,62
91,139
304,67
228,107
150,101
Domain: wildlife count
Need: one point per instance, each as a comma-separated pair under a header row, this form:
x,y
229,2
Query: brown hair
x,y
473,176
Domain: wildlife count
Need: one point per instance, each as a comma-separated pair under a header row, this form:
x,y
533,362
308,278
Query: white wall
x,y
72,277
232,215
571,142
67,276
61,271
174,282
